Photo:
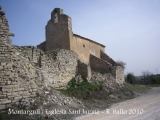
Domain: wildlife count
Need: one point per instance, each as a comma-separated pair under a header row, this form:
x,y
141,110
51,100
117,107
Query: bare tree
x,y
146,76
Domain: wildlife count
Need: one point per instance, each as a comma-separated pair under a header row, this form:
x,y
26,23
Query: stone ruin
x,y
59,35
25,70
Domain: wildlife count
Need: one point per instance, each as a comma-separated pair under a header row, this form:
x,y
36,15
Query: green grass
x,y
83,90
87,91
137,88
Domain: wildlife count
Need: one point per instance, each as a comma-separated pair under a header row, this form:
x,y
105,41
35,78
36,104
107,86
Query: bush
x,y
155,79
83,90
150,78
131,78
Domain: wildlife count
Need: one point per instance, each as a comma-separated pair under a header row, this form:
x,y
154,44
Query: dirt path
x,y
145,107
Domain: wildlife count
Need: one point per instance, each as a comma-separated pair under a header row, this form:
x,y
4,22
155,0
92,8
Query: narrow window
x,y
55,18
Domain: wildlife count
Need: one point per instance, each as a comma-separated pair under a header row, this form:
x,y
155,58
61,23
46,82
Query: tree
x,y
131,78
146,76
149,78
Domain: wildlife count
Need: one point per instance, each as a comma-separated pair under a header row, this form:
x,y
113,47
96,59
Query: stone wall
x,y
99,65
84,70
107,82
57,67
103,67
62,68
24,70
118,72
42,46
116,69
105,57
84,47
17,75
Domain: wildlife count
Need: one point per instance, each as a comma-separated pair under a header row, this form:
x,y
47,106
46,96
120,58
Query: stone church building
x,y
27,70
59,35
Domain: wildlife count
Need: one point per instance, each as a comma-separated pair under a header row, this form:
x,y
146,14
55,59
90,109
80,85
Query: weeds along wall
x,y
24,69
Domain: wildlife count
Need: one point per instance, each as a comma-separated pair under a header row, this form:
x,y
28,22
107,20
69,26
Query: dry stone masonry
x,y
13,87
56,67
26,70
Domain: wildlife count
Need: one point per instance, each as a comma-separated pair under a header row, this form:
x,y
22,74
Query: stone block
x,y
34,90
33,95
8,73
2,96
8,82
24,96
34,86
15,93
8,106
5,101
2,107
6,89
18,98
21,89
14,83
3,63
10,96
12,86
14,89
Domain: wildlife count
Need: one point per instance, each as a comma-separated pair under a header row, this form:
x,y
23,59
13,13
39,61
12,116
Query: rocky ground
x,y
28,84
54,105
145,107
29,78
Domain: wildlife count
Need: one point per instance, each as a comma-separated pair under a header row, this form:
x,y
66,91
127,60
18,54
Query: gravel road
x,y
145,107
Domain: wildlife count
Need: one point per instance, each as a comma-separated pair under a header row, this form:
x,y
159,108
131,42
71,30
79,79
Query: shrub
x,y
130,78
82,90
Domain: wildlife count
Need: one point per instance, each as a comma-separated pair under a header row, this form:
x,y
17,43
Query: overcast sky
x,y
130,29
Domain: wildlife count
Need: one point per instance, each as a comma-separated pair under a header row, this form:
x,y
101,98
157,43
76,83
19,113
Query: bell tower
x,y
58,31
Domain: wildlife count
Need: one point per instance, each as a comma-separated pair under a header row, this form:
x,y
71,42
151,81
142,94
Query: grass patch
x,y
84,90
136,88
88,91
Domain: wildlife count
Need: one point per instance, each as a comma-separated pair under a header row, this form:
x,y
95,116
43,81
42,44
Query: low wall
x,y
57,67
84,70
61,68
105,57
42,46
99,65
118,72
17,78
